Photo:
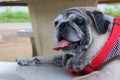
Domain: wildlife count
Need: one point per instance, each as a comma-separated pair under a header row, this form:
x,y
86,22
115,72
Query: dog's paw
x,y
22,61
28,61
74,66
67,60
74,62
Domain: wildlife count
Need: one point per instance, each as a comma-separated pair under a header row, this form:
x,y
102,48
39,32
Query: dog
x,y
81,33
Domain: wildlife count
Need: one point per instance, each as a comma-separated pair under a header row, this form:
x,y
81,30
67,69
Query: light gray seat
x,y
12,71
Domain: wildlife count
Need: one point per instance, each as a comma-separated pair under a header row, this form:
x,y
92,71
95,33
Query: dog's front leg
x,y
97,75
55,59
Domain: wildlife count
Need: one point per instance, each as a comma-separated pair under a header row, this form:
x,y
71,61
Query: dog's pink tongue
x,y
61,44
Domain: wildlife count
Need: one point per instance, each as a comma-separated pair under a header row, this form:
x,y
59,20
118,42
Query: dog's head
x,y
74,27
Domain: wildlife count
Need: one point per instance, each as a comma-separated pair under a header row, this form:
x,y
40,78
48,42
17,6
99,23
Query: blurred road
x,y
14,46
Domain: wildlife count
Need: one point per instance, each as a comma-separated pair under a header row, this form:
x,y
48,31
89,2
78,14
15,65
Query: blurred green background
x,y
9,15
14,16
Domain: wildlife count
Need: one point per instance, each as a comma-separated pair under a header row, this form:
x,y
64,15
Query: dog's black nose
x,y
64,24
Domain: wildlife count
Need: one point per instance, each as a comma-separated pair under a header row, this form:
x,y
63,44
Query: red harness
x,y
97,62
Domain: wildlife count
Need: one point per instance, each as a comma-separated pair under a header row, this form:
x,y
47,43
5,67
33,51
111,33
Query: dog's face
x,y
75,25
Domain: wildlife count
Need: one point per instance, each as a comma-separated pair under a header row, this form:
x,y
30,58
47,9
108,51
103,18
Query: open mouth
x,y
62,44
65,45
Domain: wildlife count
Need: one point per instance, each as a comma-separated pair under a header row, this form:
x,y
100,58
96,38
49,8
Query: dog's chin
x,y
75,47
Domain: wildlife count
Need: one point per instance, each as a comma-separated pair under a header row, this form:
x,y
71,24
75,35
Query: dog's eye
x,y
56,23
80,22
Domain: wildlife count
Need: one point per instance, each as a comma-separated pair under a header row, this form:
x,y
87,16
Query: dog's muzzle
x,y
66,30
68,36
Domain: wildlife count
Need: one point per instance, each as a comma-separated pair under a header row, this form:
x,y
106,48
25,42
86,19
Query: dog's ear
x,y
100,22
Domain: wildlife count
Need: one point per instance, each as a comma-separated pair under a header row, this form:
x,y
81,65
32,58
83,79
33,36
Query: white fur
x,y
112,70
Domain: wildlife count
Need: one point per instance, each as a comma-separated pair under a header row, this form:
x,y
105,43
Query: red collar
x,y
97,62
